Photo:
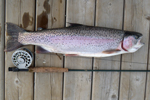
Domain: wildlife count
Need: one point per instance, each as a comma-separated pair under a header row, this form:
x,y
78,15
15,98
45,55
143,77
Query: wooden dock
x,y
120,14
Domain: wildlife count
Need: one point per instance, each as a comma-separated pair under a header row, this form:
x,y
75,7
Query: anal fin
x,y
41,50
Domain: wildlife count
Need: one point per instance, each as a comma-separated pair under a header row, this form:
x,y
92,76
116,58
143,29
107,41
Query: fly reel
x,y
22,58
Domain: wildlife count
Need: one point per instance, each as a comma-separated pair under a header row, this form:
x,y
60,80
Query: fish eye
x,y
136,37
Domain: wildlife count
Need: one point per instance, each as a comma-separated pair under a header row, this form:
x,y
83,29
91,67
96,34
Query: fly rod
x,y
57,69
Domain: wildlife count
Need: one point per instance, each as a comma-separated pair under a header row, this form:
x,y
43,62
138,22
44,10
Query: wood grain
x,y
2,60
48,86
80,12
19,86
77,85
132,85
105,84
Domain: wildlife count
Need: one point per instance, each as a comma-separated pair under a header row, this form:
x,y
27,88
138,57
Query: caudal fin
x,y
12,33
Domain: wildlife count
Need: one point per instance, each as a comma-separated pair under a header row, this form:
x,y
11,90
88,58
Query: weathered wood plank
x,y
80,12
106,84
147,96
148,74
48,86
19,86
2,67
77,85
132,85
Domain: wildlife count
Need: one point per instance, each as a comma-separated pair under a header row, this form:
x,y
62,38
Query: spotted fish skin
x,y
75,40
79,39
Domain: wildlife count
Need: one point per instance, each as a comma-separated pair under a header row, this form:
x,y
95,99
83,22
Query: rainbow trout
x,y
76,40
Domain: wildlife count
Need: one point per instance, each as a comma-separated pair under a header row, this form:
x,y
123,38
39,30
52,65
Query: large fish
x,y
76,40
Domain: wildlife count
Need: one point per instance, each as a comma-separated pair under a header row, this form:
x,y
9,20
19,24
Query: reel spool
x,y
22,58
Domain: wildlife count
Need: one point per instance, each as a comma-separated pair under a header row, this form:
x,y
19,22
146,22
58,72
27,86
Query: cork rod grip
x,y
47,69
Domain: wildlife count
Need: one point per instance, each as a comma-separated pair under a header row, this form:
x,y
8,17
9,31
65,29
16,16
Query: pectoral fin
x,y
111,51
41,50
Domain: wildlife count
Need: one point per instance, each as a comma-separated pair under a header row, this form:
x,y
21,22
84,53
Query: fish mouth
x,y
136,47
139,44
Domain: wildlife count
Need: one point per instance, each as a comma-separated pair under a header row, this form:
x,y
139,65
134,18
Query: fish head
x,y
132,40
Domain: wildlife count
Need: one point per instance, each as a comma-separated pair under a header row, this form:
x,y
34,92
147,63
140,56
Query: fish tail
x,y
12,34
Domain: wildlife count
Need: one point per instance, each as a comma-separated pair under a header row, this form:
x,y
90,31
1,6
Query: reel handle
x,y
47,69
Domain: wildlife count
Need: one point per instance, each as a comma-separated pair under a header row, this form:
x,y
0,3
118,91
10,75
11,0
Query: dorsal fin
x,y
75,24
